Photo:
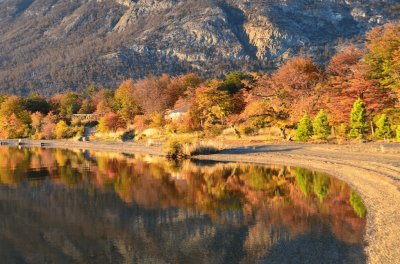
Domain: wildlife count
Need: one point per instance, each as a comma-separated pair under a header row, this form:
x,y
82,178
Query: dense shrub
x,y
174,146
213,130
342,131
48,131
182,146
157,120
247,130
62,130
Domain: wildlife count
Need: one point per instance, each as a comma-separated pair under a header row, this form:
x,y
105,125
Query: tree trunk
x,y
372,129
283,132
237,133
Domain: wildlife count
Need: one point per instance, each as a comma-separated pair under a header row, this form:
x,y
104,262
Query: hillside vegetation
x,y
355,97
49,46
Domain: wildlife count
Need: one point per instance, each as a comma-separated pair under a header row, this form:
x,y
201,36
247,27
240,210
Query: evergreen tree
x,y
357,204
383,127
304,129
321,126
358,120
398,133
322,184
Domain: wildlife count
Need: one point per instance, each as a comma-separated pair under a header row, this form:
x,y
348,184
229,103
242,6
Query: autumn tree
x,y
150,93
180,86
62,130
111,122
297,74
304,128
287,94
14,119
261,113
37,122
48,126
14,128
15,105
294,86
157,94
69,104
87,107
211,104
383,57
358,120
104,102
348,81
125,102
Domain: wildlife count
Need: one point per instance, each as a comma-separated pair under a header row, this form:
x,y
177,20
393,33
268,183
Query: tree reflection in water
x,y
67,206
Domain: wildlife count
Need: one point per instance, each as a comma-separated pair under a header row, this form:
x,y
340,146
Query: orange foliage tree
x,y
287,94
157,94
349,81
125,102
111,122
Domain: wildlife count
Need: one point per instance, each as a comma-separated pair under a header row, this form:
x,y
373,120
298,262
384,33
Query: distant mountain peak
x,y
48,45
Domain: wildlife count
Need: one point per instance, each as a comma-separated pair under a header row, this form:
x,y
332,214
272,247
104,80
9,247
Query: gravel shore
x,y
371,169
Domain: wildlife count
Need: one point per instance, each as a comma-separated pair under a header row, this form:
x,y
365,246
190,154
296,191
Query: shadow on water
x,y
306,249
62,206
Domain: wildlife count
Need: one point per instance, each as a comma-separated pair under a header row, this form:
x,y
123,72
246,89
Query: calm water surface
x,y
64,206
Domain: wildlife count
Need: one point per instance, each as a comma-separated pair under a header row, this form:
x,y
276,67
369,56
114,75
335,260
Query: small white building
x,y
177,113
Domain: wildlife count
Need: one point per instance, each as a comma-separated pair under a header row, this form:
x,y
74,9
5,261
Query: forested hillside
x,y
355,96
49,46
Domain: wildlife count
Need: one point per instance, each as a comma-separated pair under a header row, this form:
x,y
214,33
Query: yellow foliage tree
x,y
62,130
14,119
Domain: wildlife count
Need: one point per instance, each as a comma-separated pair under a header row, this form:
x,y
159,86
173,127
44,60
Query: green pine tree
x,y
358,120
398,133
357,204
383,130
321,126
304,129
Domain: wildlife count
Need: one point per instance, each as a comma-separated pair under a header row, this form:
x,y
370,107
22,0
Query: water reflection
x,y
63,206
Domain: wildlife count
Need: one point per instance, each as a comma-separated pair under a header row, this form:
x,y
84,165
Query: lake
x,y
76,206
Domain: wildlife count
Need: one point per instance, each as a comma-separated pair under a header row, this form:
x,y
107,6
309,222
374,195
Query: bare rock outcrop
x,y
50,46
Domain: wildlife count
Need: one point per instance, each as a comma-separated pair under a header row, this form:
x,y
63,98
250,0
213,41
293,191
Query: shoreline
x,y
373,170
125,147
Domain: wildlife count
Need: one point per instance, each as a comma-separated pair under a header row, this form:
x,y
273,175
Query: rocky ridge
x,y
53,45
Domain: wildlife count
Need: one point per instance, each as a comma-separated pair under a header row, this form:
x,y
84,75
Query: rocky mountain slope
x,y
52,45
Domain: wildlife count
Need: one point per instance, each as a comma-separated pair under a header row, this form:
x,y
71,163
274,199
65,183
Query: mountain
x,y
49,46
